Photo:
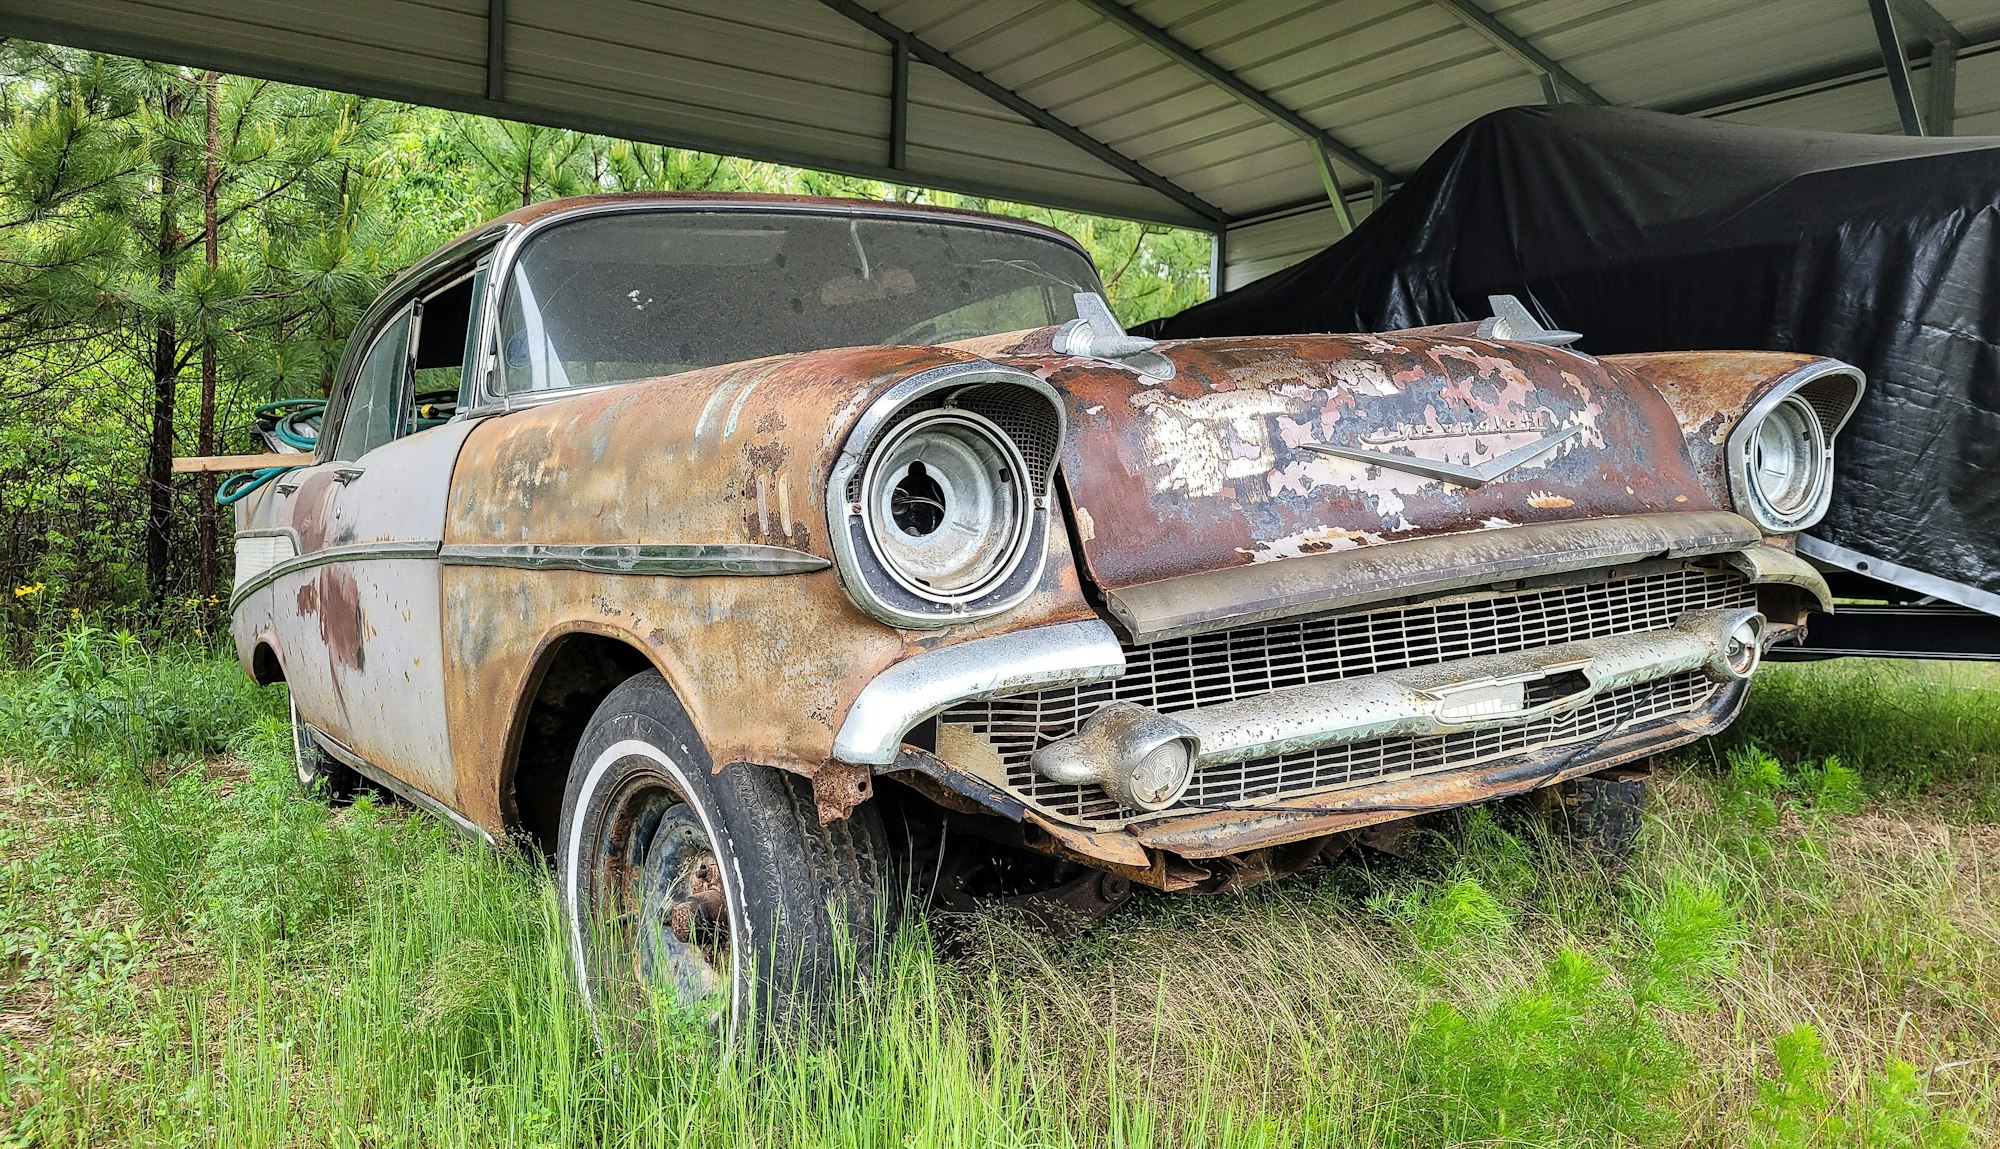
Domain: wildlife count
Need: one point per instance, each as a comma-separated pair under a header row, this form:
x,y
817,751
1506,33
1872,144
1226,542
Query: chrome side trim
x,y
1737,448
327,556
675,559
928,682
1483,693
398,787
1414,569
1899,575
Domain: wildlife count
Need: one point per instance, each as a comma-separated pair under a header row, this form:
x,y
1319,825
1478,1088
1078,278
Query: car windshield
x,y
633,295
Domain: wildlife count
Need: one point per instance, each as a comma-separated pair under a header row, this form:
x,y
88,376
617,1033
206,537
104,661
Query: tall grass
x,y
191,954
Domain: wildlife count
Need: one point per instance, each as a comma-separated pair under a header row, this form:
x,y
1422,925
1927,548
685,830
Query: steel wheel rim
x,y
662,916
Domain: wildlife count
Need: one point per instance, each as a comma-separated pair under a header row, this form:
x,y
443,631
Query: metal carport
x,y
1234,116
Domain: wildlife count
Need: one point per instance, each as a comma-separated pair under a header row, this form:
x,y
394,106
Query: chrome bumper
x,y
925,684
1442,698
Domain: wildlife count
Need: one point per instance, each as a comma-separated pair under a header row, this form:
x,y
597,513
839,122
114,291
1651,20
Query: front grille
x,y
1204,670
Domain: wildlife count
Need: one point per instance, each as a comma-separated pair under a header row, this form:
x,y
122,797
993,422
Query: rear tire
x,y
717,894
319,774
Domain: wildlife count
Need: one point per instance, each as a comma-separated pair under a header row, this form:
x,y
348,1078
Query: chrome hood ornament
x,y
1458,473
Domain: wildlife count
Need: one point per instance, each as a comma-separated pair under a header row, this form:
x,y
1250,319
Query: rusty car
x,y
740,554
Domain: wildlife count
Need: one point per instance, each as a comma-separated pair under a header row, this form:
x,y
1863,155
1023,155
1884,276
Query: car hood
x,y
1198,456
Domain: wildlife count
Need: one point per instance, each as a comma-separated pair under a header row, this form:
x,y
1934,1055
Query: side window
x,y
445,345
377,404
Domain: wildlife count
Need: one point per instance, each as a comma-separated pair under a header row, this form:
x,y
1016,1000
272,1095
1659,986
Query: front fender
x,y
1713,392
602,511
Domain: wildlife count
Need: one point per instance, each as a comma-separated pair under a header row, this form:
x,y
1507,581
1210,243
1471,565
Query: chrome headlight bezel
x,y
1019,420
1799,418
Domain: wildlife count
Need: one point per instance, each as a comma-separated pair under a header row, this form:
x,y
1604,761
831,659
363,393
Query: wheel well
x,y
578,670
265,668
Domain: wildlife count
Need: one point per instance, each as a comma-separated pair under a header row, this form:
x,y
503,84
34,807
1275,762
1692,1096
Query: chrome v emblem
x,y
1463,476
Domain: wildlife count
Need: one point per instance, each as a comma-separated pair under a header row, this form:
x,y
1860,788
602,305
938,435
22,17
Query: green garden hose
x,y
287,421
295,423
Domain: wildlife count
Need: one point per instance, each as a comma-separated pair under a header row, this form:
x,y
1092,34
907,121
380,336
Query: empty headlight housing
x,y
940,500
1781,454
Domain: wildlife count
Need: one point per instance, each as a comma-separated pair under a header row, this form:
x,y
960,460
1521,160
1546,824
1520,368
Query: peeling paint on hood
x,y
1212,468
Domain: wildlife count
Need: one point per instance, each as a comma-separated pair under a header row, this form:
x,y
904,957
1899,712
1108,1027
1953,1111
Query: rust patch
x,y
312,510
341,625
307,601
1213,468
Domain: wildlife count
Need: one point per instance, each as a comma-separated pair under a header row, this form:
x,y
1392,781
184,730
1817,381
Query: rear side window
x,y
377,403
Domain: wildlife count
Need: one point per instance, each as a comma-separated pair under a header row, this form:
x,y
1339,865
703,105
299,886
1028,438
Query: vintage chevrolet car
x,y
727,549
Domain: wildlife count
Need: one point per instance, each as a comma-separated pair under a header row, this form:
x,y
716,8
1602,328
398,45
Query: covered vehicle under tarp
x,y
1649,232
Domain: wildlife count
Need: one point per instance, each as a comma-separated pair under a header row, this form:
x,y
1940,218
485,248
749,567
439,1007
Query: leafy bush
x,y
1580,1053
94,696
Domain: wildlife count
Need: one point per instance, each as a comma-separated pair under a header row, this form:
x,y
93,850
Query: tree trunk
x,y
206,436
166,354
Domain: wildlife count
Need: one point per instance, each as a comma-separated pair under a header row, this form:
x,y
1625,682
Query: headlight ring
x,y
945,505
940,503
1780,457
1788,458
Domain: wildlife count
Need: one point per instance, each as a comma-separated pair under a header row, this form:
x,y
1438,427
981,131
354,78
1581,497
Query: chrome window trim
x,y
670,559
327,556
931,681
1737,449
406,288
853,457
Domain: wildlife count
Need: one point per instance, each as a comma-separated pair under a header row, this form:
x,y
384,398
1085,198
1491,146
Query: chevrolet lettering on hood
x,y
727,550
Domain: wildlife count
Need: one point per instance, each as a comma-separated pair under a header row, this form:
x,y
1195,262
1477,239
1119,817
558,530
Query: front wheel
x,y
704,895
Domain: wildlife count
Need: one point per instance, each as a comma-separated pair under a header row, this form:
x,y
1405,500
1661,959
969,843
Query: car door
x,y
377,600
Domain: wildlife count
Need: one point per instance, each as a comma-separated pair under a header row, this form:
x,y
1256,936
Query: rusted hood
x,y
1213,467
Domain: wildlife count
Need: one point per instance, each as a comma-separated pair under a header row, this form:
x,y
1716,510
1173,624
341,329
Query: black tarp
x,y
1650,232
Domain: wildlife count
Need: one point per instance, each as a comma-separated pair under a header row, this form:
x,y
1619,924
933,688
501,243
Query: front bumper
x,y
1299,723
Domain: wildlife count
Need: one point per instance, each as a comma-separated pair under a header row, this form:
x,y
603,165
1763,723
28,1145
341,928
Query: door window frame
x,y
456,265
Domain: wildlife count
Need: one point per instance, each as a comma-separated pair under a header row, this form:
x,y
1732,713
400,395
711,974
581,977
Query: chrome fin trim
x,y
1453,473
327,556
672,559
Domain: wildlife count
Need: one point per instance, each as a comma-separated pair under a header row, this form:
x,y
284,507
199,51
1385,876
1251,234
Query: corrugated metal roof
x,y
1182,111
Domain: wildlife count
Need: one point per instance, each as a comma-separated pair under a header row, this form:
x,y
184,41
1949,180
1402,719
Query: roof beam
x,y
1028,110
1845,72
206,55
496,50
899,107
1898,66
1929,24
1191,58
1942,114
1507,40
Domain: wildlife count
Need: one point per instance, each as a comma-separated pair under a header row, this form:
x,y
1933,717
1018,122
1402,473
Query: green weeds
x,y
189,953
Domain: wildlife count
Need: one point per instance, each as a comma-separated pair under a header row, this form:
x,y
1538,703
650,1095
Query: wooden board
x,y
214,464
